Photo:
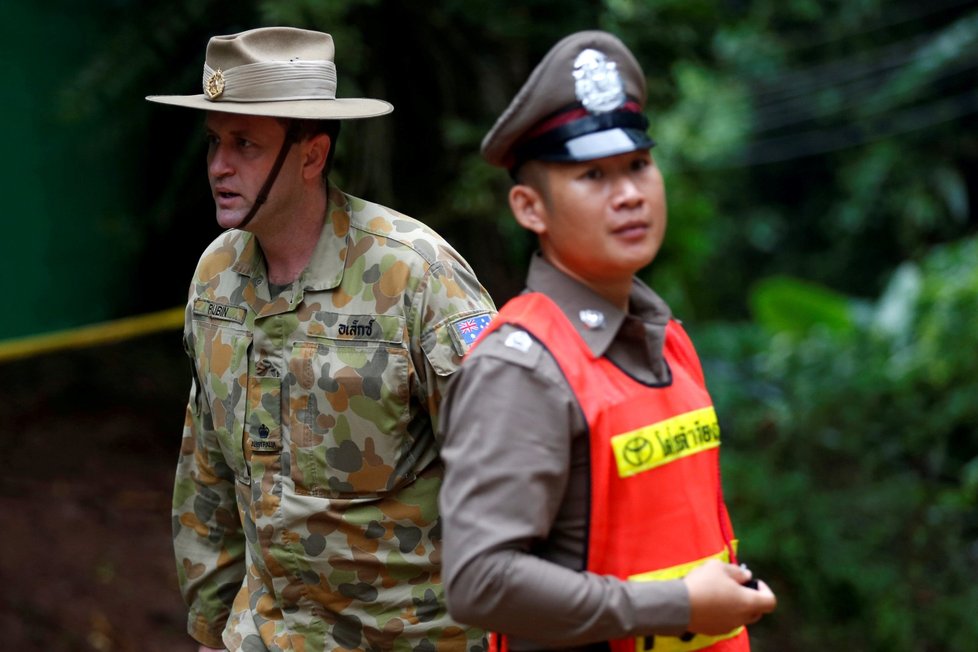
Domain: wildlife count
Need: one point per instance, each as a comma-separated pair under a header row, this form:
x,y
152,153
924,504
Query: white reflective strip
x,y
600,144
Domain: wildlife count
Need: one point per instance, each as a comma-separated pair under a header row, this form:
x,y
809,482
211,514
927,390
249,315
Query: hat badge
x,y
214,85
597,83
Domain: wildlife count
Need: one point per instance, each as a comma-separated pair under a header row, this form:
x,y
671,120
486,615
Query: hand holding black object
x,y
717,606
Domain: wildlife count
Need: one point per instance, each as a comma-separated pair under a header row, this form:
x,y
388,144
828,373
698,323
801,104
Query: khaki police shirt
x,y
305,503
515,497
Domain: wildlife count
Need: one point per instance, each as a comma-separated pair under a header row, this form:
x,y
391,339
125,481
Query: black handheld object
x,y
752,582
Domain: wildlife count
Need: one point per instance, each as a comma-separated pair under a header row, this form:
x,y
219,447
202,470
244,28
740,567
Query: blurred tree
x,y
857,142
853,464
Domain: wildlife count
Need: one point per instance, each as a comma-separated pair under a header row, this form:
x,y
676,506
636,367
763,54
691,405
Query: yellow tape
x,y
92,335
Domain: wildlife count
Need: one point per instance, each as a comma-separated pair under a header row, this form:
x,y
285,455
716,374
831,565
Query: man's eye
x,y
593,174
212,140
244,144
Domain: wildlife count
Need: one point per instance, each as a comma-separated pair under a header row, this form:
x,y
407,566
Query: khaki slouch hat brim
x,y
282,72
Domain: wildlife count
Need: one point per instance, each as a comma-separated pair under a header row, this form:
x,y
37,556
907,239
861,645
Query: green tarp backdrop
x,y
66,245
89,234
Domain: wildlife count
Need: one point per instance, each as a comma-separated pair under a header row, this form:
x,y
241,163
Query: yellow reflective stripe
x,y
666,441
673,643
680,570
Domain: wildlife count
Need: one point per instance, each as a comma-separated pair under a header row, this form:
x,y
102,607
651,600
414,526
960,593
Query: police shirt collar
x,y
573,298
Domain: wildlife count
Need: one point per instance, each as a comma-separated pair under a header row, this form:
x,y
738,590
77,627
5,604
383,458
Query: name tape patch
x,y
222,311
660,443
358,328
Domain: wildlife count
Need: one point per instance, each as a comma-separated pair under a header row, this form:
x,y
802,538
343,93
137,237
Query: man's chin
x,y
230,219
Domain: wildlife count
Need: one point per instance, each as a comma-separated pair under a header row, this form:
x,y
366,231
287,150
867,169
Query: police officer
x,y
322,329
582,499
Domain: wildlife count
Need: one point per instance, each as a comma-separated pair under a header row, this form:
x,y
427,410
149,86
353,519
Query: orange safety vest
x,y
657,507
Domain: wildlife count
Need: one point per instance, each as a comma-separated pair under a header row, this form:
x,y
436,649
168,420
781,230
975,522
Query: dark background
x,y
91,445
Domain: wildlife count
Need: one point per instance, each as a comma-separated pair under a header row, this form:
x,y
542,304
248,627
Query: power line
x,y
892,17
801,82
862,93
822,141
868,66
861,97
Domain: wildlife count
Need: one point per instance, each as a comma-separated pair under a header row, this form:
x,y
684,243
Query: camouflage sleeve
x,y
450,308
207,537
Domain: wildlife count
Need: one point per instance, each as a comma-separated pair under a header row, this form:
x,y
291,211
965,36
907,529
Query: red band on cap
x,y
570,115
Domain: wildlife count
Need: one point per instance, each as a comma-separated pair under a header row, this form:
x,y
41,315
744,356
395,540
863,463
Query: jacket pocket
x,y
221,367
349,404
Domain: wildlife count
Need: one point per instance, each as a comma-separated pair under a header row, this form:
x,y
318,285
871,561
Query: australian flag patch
x,y
468,329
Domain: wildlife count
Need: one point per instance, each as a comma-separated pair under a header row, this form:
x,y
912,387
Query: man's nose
x,y
627,192
218,164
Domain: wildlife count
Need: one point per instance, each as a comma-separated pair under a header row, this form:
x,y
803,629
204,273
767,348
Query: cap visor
x,y
600,144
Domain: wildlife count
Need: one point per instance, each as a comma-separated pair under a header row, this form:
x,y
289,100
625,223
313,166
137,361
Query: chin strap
x,y
291,135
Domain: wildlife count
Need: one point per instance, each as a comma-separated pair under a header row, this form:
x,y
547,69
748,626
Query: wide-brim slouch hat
x,y
282,72
583,101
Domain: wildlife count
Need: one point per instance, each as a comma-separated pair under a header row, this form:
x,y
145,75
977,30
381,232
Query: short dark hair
x,y
310,127
533,173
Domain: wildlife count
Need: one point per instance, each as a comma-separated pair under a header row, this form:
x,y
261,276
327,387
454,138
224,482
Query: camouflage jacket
x,y
305,503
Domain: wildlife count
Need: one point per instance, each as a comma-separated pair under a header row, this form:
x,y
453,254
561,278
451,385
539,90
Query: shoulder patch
x,y
519,340
466,330
514,345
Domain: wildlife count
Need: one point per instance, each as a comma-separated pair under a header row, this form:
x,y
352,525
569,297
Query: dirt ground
x,y
91,440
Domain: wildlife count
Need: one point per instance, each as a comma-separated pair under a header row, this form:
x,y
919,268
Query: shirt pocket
x,y
349,404
221,368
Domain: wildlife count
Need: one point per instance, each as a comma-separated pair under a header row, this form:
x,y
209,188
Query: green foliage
x,y
852,459
793,306
836,149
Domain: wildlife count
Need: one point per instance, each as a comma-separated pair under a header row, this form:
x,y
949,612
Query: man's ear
x,y
315,151
528,208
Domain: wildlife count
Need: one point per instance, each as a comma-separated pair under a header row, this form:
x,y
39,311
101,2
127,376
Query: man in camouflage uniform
x,y
322,329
